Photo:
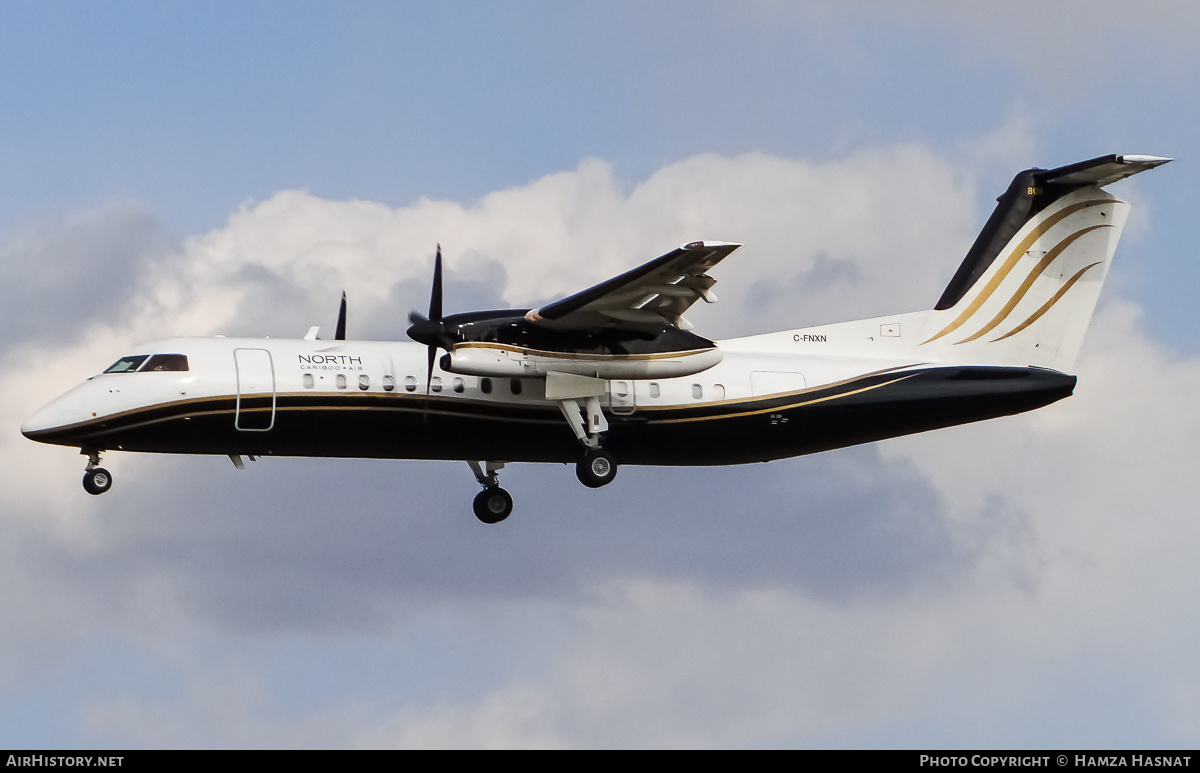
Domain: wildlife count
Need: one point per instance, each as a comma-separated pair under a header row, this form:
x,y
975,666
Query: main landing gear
x,y
597,467
96,479
493,504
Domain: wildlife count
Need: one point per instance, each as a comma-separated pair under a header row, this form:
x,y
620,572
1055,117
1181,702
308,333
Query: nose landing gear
x,y
493,504
96,479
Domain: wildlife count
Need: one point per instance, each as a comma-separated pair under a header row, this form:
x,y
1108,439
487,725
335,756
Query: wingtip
x,y
708,244
340,331
1147,161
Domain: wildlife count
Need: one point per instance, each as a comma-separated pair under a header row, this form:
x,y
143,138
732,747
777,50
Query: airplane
x,y
613,374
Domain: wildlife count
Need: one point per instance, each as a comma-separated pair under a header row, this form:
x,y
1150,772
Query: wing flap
x,y
653,294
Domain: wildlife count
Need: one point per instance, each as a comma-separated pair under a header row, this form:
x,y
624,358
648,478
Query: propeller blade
x,y
428,382
340,335
435,295
431,330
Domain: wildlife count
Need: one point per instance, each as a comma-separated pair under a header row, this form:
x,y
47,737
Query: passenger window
x,y
459,385
364,382
654,390
410,383
485,385
341,381
176,362
719,391
435,383
515,385
697,391
308,381
127,364
389,383
622,389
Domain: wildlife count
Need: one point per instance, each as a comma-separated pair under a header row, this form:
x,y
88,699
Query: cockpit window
x,y
127,364
166,362
157,362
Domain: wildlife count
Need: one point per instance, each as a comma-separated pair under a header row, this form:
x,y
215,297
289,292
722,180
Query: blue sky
x,y
195,109
229,167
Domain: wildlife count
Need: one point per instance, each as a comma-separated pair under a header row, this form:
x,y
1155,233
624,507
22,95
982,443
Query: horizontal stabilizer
x,y
1099,171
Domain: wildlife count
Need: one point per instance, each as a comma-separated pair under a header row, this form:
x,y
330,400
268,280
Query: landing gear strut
x,y
493,504
597,467
96,479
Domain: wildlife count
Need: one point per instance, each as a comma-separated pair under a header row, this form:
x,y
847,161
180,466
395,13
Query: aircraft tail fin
x,y
1025,292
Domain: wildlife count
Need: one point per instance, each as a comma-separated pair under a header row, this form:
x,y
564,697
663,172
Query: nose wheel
x,y
96,479
493,504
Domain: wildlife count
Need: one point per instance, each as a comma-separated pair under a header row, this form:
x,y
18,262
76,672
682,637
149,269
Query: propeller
x,y
340,335
431,330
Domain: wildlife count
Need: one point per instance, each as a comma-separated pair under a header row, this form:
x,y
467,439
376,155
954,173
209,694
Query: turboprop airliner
x,y
613,375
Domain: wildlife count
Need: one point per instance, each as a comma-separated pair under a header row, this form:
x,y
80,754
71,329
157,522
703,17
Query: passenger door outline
x,y
255,371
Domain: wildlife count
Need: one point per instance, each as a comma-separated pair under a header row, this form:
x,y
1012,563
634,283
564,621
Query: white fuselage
x,y
747,368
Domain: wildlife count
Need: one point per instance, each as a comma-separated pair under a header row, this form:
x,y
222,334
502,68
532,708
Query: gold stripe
x,y
1042,265
772,396
1012,260
785,407
137,417
1046,306
578,355
449,404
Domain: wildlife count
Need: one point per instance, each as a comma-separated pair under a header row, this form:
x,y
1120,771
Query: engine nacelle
x,y
501,361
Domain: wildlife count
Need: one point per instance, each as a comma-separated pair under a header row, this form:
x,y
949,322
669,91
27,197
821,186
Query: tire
x,y
492,505
97,480
597,468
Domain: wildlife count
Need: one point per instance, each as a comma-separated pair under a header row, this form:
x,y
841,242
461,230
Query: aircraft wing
x,y
652,294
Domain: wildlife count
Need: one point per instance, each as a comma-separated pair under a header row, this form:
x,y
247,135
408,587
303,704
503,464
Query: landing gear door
x,y
255,409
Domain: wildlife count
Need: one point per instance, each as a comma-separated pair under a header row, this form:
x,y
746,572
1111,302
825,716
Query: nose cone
x,y
47,424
